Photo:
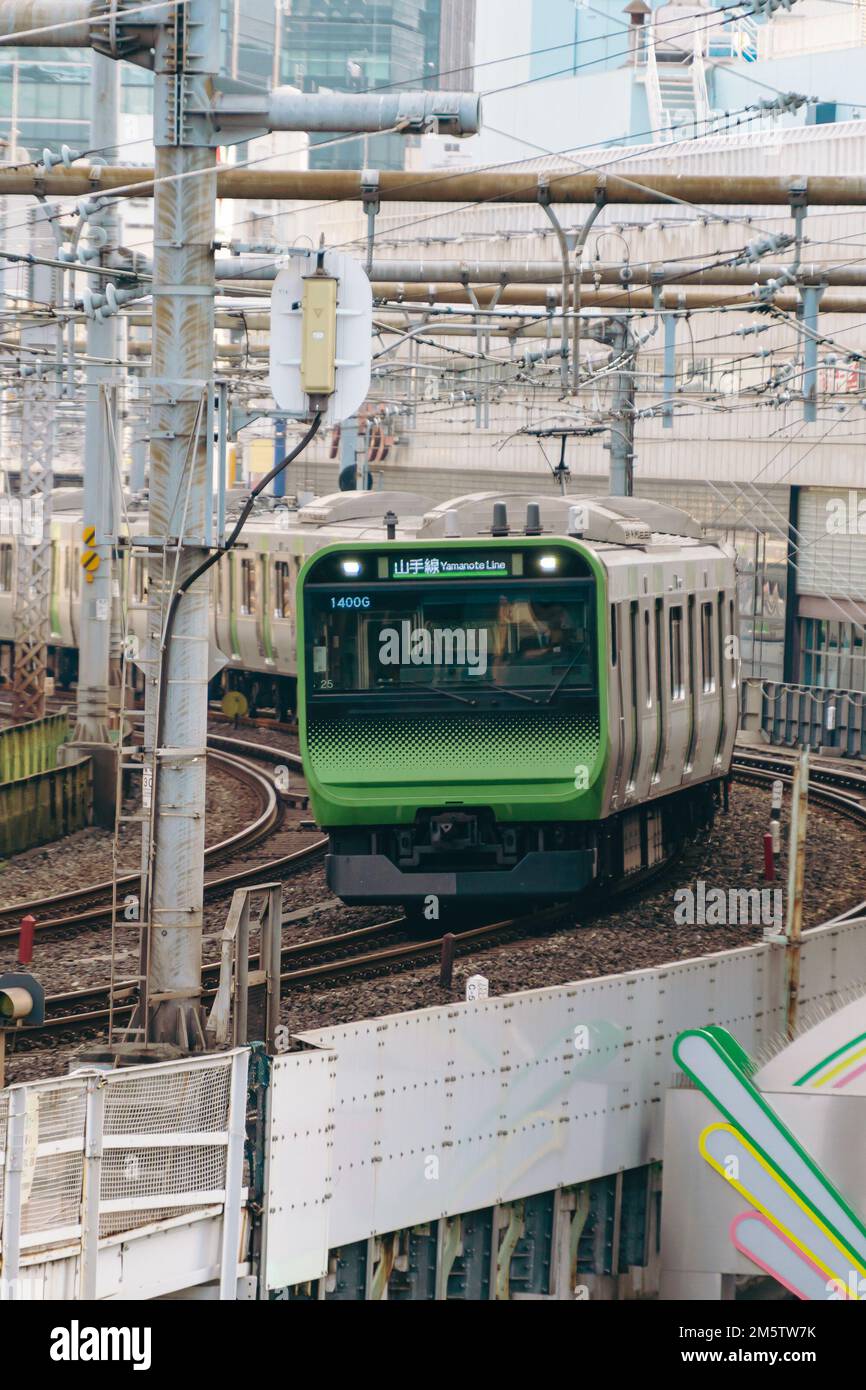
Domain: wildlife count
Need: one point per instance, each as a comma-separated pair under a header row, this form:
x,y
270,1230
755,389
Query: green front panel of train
x,y
371,760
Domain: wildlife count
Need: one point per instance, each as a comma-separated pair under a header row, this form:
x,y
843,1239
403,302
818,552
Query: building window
x,y
678,689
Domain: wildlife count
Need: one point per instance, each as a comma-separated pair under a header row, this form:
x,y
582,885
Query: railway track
x,y
371,950
82,907
829,784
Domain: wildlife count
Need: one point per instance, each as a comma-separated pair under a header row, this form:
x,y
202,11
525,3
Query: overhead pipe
x,y
533,295
52,15
250,269
398,186
285,108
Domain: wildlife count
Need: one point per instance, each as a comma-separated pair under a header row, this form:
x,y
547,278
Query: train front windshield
x,y
531,639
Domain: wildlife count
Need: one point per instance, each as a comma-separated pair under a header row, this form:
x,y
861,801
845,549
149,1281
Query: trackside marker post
x,y
446,960
25,939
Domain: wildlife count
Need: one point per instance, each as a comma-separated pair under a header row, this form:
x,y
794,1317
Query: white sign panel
x,y
354,327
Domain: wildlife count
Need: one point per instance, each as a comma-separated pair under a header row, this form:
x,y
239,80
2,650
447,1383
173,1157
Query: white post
x,y
94,1118
231,1232
13,1191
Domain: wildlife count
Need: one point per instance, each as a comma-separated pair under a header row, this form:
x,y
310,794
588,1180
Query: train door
x,y
617,718
662,699
692,701
632,688
729,674
708,696
7,574
217,589
647,698
281,608
264,634
678,710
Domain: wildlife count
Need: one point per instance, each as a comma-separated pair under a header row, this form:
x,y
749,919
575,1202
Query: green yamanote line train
x,y
518,701
511,698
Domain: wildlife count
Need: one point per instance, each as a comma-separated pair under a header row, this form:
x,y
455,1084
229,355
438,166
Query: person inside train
x,y
555,638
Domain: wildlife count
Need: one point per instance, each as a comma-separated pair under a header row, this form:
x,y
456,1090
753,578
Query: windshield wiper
x,y
507,690
432,691
551,694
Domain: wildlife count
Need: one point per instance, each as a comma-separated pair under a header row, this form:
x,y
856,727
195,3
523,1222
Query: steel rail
x,y
240,839
749,767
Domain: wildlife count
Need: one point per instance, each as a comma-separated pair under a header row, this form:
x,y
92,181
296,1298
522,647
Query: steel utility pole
x,y
100,463
182,45
621,443
32,617
186,62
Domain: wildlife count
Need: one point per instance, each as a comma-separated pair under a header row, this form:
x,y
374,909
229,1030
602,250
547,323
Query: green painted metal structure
x,y
39,800
26,749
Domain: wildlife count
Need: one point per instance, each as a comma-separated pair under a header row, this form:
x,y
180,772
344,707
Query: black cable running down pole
x,y
217,554
188,583
242,519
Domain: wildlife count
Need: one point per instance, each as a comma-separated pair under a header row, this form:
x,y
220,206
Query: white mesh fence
x,y
163,1132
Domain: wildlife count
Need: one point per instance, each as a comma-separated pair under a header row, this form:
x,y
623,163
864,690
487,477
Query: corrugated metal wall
x,y
830,561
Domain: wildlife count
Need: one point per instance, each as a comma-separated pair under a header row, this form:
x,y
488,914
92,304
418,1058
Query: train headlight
x,y
352,568
548,563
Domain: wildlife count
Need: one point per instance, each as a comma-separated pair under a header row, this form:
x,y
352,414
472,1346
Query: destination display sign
x,y
491,566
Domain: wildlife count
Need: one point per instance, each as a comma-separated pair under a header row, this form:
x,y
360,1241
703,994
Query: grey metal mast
x,y
32,615
621,443
182,44
100,435
186,60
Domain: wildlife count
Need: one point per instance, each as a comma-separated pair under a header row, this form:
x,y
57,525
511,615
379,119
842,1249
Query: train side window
x,y
647,659
734,641
613,635
709,675
5,569
676,644
248,587
282,589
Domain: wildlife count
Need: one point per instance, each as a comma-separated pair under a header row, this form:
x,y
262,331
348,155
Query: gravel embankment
x,y
85,856
634,933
